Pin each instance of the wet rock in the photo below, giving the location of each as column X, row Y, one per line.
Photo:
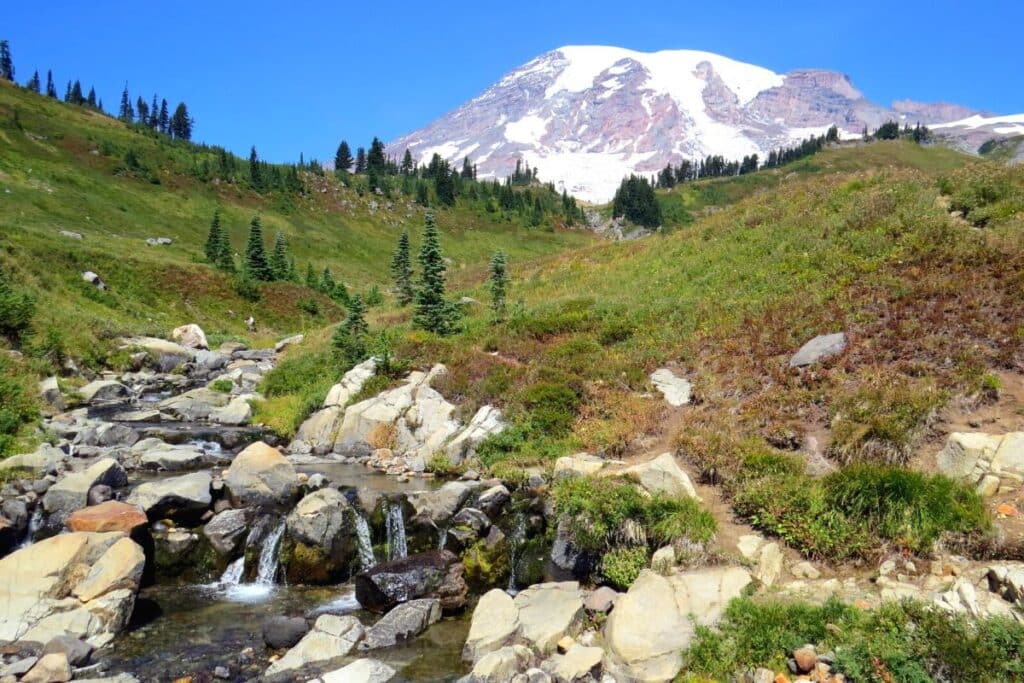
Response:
column 98, row 494
column 260, row 476
column 280, row 633
column 226, row 530
column 51, row 668
column 108, row 516
column 359, row 671
column 818, row 349
column 18, row 667
column 103, row 390
column 662, row 475
column 493, row 500
column 76, row 651
column 71, row 493
column 402, row 624
column 331, row 638
column 436, row 508
column 16, row 512
column 97, row 575
column 194, row 405
column 183, row 497
column 676, row 390
column 162, row 355
column 190, row 336
column 325, row 520
column 435, row 574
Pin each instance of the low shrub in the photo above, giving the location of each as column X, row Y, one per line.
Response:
column 621, row 566
column 551, row 407
column 18, row 406
column 223, row 386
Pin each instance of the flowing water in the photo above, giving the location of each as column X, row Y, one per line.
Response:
column 266, row 570
column 35, row 522
column 366, row 556
column 395, row 525
column 515, row 540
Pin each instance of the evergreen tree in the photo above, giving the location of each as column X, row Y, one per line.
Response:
column 181, row 123
column 214, row 239
column 401, row 271
column 467, row 169
column 6, row 63
column 343, row 158
column 76, row 94
column 361, row 160
column 256, row 265
column 225, row 254
column 67, row 92
column 164, row 120
column 293, row 271
column 142, row 109
column 499, row 285
column 125, row 112
column 91, row 99
column 444, row 186
column 33, row 83
column 407, row 163
column 311, row 281
column 16, row 310
column 154, row 114
column 255, row 176
column 350, row 337
column 433, row 312
column 51, row 89
column 635, row 199
column 279, row 258
column 376, row 162
column 422, row 194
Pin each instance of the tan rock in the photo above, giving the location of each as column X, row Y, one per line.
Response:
column 51, row 668
column 109, row 516
column 495, row 621
column 120, row 567
column 260, row 475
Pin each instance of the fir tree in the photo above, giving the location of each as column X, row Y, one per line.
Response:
column 293, row 271
column 343, row 158
column 401, row 271
column 51, row 89
column 164, row 120
column 376, row 162
column 255, row 176
column 422, row 194
column 142, row 109
column 181, row 123
column 225, row 254
column 91, row 99
column 6, row 63
column 154, row 114
column 279, row 258
column 433, row 312
column 327, row 285
column 407, row 163
column 76, row 94
column 350, row 337
column 256, row 265
column 16, row 310
column 311, row 281
column 214, row 239
column 125, row 112
column 67, row 92
column 498, row 285
column 361, row 160
column 33, row 83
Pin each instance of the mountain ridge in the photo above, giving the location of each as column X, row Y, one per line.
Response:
column 587, row 115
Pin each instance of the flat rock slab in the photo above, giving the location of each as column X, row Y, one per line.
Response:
column 818, row 349
column 676, row 390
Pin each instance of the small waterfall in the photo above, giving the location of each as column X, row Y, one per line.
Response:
column 232, row 576
column 267, row 568
column 442, row 538
column 366, row 556
column 35, row 522
column 515, row 539
column 397, row 548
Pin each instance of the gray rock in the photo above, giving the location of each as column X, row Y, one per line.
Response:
column 493, row 500
column 324, row 519
column 94, row 280
column 332, row 637
column 359, row 671
column 280, row 633
column 71, row 493
column 103, row 390
column 402, row 624
column 77, row 651
column 437, row 507
column 818, row 349
column 226, row 530
column 185, row 495
column 260, row 476
column 50, row 392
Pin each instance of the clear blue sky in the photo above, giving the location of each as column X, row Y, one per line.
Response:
column 297, row 76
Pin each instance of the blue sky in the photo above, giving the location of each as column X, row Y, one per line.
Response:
column 299, row 76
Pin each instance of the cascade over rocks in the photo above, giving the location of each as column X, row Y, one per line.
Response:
column 434, row 574
column 326, row 521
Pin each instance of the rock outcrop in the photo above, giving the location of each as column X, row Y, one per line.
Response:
column 434, row 574
column 993, row 463
column 818, row 349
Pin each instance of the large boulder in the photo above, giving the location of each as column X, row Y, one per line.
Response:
column 103, row 390
column 578, row 465
column 549, row 611
column 437, row 507
column 106, row 517
column 359, row 671
column 260, row 476
column 79, row 584
column 165, row 356
column 190, row 336
column 226, row 530
column 653, row 623
column 51, row 394
column 325, row 520
column 320, row 430
column 184, row 497
column 485, row 423
column 236, row 413
column 280, row 633
column 155, row 454
column 502, row 665
column 332, row 637
column 662, row 475
column 197, row 404
column 45, row 458
column 434, row 574
column 402, row 624
column 495, row 621
column 72, row 492
column 818, row 349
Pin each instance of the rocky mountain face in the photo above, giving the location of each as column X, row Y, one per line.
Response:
column 588, row 115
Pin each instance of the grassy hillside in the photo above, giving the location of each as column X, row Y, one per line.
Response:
column 66, row 168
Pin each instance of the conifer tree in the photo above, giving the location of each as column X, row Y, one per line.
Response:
column 327, row 284
column 142, row 109
column 361, row 160
column 498, row 285
column 376, row 163
column 181, row 123
column 214, row 239
column 33, row 83
column 293, row 271
column 6, row 63
column 422, row 193
column 125, row 112
column 51, row 89
column 279, row 258
column 164, row 120
column 76, row 94
column 350, row 337
column 343, row 158
column 401, row 271
column 67, row 92
column 91, row 99
column 256, row 264
column 407, row 163
column 311, row 280
column 433, row 312
column 255, row 176
column 225, row 254
column 154, row 114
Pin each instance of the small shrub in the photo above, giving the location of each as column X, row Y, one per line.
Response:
column 18, row 406
column 552, row 407
column 310, row 306
column 223, row 386
column 621, row 566
column 247, row 287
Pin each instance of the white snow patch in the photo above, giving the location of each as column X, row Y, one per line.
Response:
column 1008, row 130
column 527, row 130
column 977, row 121
column 446, row 151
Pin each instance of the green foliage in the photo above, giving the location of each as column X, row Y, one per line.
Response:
column 635, row 200
column 350, row 337
column 223, row 386
column 16, row 310
column 18, row 407
column 621, row 566
column 280, row 265
column 247, row 286
column 256, row 264
column 214, row 239
column 295, row 388
column 433, row 311
column 486, row 566
column 498, row 282
column 310, row 306
column 551, row 407
column 401, row 271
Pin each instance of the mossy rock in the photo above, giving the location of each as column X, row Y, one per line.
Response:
column 486, row 566
column 200, row 564
column 531, row 561
column 304, row 564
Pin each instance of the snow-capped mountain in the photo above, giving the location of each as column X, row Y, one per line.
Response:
column 585, row 116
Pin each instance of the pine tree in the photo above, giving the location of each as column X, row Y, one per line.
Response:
column 181, row 123
column 6, row 63
column 125, row 112
column 376, row 162
column 225, row 254
column 76, row 94
column 154, row 114
column 343, row 158
column 311, row 281
column 407, row 163
column 33, row 83
column 433, row 312
column 401, row 271
column 255, row 176
column 499, row 285
column 142, row 109
column 361, row 160
column 293, row 271
column 91, row 99
column 67, row 92
column 350, row 337
column 51, row 89
column 214, row 239
column 279, row 258
column 256, row 265
column 327, row 285
column 422, row 194
column 164, row 120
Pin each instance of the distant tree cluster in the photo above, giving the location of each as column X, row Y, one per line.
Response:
column 635, row 200
column 890, row 130
column 257, row 265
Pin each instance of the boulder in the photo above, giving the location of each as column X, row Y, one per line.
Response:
column 165, row 356
column 662, row 475
column 226, row 530
column 434, row 574
column 194, row 405
column 190, row 336
column 102, row 390
column 818, row 349
column 236, row 413
column 601, row 600
column 280, row 633
column 486, row 422
column 973, row 455
column 360, row 671
column 80, row 584
column 402, row 624
column 51, row 668
column 548, row 611
column 577, row 665
column 186, row 496
column 651, row 624
column 76, row 651
column 324, row 519
column 320, row 430
column 502, row 664
column 288, row 341
column 94, row 280
column 51, row 394
column 109, row 516
column 676, row 390
column 72, row 492
column 769, row 564
column 158, row 455
column 260, row 476
column 437, row 507
column 580, row 464
column 493, row 500
column 351, row 384
column 494, row 623
column 332, row 637
column 45, row 458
